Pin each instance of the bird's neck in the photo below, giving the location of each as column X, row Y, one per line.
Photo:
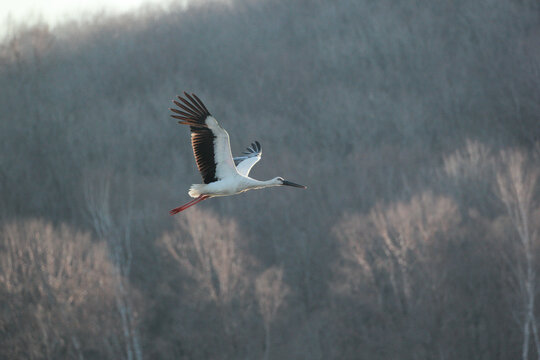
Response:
column 258, row 184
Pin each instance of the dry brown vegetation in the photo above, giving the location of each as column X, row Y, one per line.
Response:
column 415, row 126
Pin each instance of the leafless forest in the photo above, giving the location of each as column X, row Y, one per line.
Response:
column 415, row 125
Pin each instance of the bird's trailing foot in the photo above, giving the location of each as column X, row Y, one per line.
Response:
column 191, row 203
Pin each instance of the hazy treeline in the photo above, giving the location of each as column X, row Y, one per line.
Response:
column 414, row 124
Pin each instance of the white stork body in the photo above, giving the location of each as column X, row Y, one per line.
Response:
column 230, row 186
column 222, row 174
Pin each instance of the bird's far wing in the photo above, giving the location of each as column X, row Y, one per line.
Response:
column 252, row 156
column 210, row 141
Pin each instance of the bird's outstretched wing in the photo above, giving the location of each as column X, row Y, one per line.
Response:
column 210, row 141
column 252, row 156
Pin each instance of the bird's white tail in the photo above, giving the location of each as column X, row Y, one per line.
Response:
column 195, row 190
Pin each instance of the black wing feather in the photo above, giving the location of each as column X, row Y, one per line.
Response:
column 194, row 114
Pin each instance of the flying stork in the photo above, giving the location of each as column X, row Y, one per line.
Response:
column 222, row 174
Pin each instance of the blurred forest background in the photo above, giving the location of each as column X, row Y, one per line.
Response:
column 415, row 125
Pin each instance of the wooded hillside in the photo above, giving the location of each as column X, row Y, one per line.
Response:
column 415, row 126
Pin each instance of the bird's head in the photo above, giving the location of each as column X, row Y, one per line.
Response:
column 282, row 181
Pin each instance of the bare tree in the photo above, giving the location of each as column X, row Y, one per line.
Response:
column 389, row 263
column 406, row 231
column 60, row 282
column 270, row 291
column 209, row 254
column 208, row 250
column 516, row 186
column 116, row 231
column 473, row 161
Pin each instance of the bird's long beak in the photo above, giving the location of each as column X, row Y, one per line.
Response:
column 288, row 183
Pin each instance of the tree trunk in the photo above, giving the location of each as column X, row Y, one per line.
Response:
column 266, row 341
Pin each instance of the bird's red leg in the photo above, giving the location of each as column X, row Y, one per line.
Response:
column 191, row 203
